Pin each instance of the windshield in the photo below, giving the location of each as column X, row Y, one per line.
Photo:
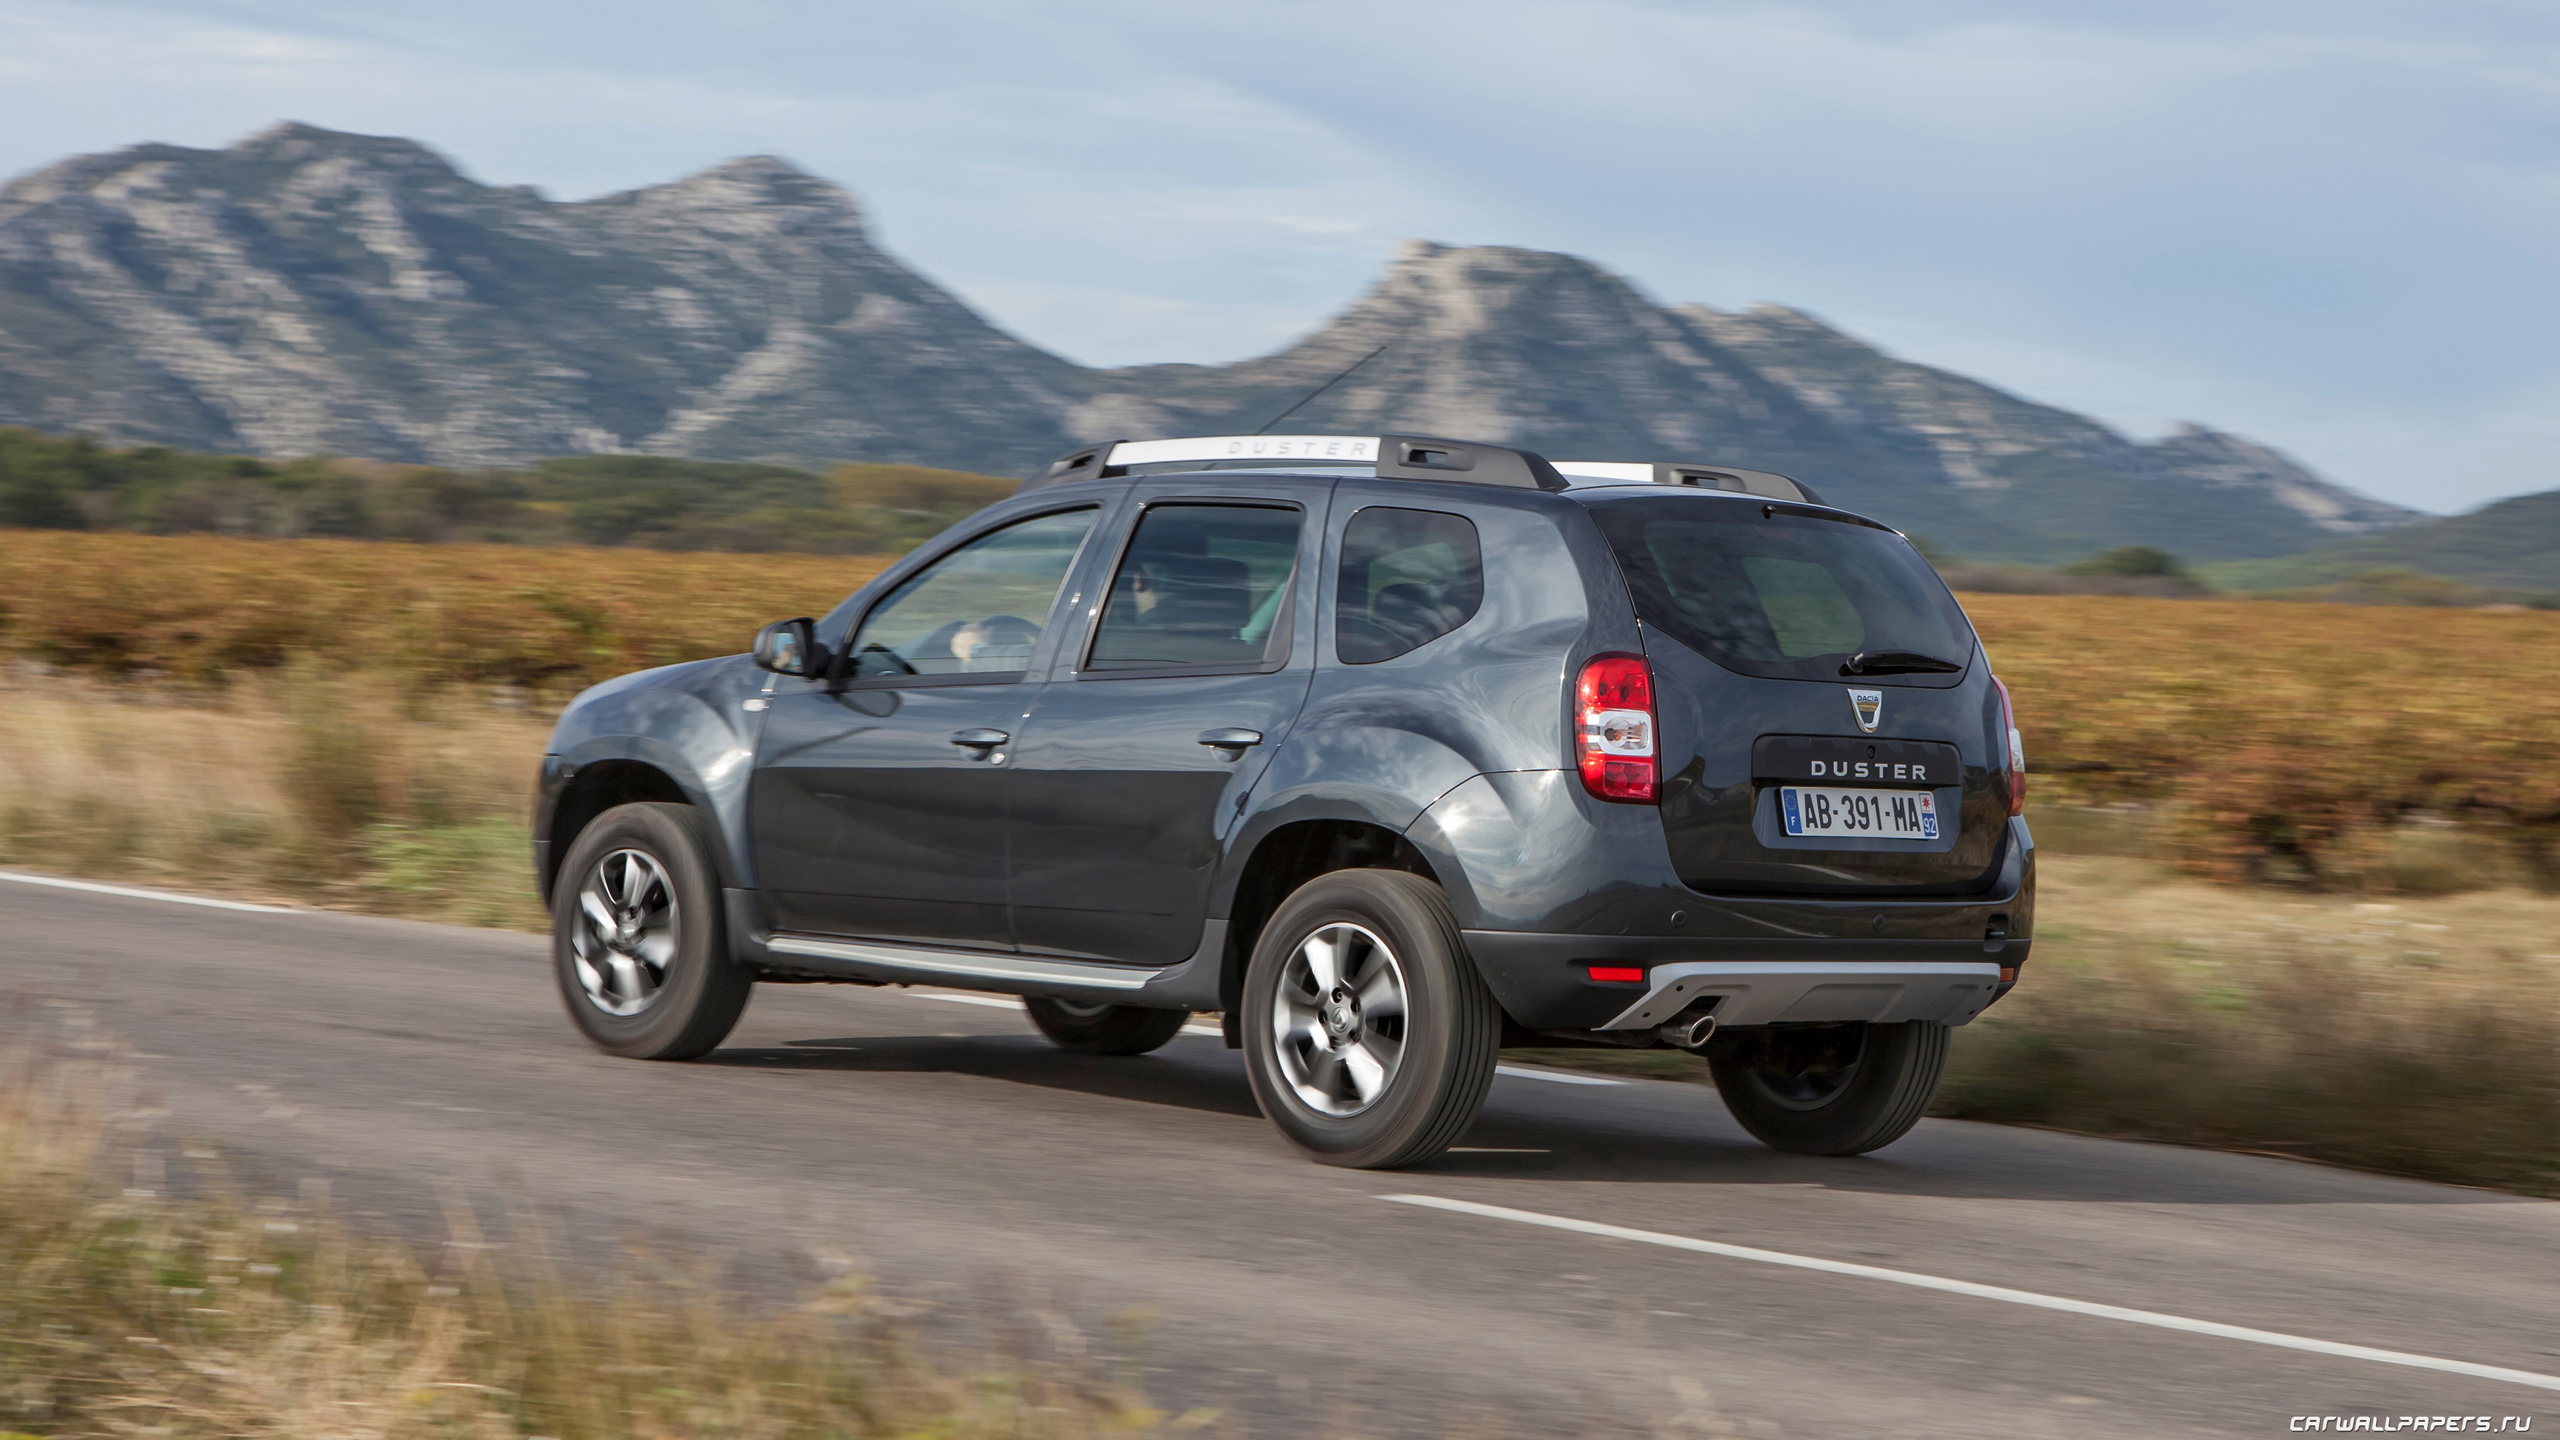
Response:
column 1766, row 590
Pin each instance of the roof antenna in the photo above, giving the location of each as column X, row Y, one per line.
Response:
column 1319, row 390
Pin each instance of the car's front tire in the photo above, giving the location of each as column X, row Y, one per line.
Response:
column 1369, row 1037
column 1091, row 1028
column 638, row 942
column 1830, row 1089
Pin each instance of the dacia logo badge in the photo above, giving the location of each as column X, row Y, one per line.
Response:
column 1870, row 707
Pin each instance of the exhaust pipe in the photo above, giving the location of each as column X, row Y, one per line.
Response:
column 1689, row 1032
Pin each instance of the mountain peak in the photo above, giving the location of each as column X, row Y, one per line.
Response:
column 746, row 185
column 293, row 142
column 1457, row 289
column 1489, row 262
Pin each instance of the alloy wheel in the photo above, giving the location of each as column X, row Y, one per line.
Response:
column 625, row 936
column 1339, row 1019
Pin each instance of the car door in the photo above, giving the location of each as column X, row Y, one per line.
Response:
column 880, row 796
column 1154, row 728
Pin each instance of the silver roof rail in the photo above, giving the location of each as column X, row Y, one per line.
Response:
column 1395, row 457
column 1767, row 484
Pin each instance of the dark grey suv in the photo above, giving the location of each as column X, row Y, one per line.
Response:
column 1395, row 751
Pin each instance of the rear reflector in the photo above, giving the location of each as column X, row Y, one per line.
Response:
column 1624, row 974
column 1613, row 701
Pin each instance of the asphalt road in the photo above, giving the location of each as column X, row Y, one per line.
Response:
column 948, row 1148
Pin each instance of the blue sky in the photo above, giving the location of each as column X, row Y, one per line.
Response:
column 2334, row 227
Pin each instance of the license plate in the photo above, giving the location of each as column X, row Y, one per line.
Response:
column 1863, row 814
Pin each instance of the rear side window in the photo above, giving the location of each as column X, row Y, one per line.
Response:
column 1408, row 578
column 1766, row 591
column 1202, row 585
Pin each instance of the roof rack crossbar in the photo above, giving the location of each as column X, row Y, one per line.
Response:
column 1395, row 457
column 1768, row 484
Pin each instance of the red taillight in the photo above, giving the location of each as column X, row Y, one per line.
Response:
column 2017, row 750
column 1618, row 974
column 1613, row 702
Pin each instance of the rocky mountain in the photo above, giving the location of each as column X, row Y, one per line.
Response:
column 1551, row 352
column 308, row 291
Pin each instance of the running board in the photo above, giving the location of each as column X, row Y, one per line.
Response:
column 967, row 969
column 1816, row 991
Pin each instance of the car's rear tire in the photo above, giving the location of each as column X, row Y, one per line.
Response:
column 1090, row 1028
column 1830, row 1089
column 1369, row 1037
column 638, row 941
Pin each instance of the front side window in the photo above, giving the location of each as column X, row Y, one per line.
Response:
column 976, row 611
column 1408, row 578
column 1201, row 586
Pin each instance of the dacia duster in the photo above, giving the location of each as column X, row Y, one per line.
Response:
column 1394, row 751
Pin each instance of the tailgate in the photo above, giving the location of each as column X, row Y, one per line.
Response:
column 1826, row 721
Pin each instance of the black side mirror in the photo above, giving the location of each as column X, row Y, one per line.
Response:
column 789, row 647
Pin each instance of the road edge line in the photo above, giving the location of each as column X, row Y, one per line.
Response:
column 128, row 892
column 1518, row 1072
column 2152, row 1318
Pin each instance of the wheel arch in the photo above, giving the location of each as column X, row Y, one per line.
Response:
column 1288, row 856
column 599, row 785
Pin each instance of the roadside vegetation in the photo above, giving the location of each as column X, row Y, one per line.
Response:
column 346, row 790
column 2329, row 747
column 2333, row 747
column 647, row 501
column 2144, row 570
column 181, row 1304
column 2224, row 791
column 196, row 611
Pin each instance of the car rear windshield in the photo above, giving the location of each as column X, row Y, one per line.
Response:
column 1769, row 590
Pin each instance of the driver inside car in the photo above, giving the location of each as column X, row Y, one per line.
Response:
column 998, row 642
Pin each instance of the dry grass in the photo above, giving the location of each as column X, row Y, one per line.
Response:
column 207, row 608
column 131, row 1312
column 344, row 790
column 2418, row 1036
column 2302, row 744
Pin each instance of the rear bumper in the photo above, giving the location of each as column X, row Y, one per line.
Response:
column 1883, row 991
column 1544, row 981
column 1779, row 960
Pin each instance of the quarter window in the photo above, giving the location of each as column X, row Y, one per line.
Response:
column 976, row 611
column 1408, row 578
column 1202, row 585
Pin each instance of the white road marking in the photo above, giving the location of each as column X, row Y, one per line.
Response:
column 2001, row 1293
column 1006, row 1002
column 1517, row 1073
column 128, row 892
column 1002, row 1002
column 999, row 1002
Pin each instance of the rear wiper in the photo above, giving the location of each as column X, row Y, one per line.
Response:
column 1898, row 662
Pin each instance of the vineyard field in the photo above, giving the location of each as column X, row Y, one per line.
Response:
column 2246, row 740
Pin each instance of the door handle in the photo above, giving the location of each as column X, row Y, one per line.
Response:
column 979, row 739
column 1237, row 740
